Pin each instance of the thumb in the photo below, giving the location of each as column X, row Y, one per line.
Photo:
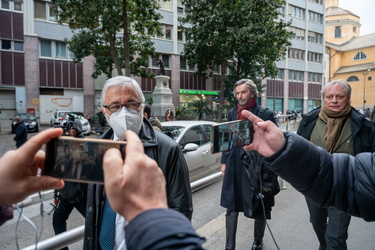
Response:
column 37, row 183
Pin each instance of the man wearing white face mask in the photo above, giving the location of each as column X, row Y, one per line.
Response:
column 122, row 100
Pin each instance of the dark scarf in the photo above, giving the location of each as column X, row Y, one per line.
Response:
column 334, row 122
column 249, row 106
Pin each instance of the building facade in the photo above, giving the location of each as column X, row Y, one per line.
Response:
column 38, row 73
column 351, row 56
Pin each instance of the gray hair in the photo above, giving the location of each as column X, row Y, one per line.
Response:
column 122, row 81
column 346, row 85
column 250, row 84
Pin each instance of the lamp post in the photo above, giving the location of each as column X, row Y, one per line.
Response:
column 364, row 88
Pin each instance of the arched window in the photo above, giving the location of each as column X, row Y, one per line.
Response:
column 352, row 79
column 360, row 56
column 337, row 32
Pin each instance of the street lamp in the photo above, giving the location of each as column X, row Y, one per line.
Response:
column 364, row 89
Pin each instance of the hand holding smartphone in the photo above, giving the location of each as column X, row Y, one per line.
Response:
column 78, row 159
column 229, row 135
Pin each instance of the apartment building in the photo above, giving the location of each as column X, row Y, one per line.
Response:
column 37, row 72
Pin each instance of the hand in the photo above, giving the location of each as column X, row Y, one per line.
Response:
column 18, row 169
column 223, row 166
column 135, row 185
column 268, row 138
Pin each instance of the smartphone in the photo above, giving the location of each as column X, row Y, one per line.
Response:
column 78, row 159
column 229, row 135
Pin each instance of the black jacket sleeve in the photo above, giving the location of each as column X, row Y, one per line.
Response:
column 339, row 180
column 161, row 229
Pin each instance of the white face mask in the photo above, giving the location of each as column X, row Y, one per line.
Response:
column 123, row 120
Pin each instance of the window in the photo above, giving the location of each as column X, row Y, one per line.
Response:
column 295, row 104
column 55, row 49
column 352, row 79
column 40, row 10
column 180, row 34
column 296, row 54
column 45, row 11
column 18, row 46
column 18, row 6
column 296, row 75
column 183, row 63
column 360, row 56
column 11, row 45
column 180, row 7
column 45, row 48
column 168, row 32
column 315, row 17
column 61, row 49
column 315, row 78
column 6, row 44
column 314, row 57
column 158, row 57
column 208, row 129
column 11, row 5
column 312, row 104
column 52, row 13
column 317, row 1
column 315, row 37
column 5, row 4
column 193, row 135
column 354, row 29
column 166, row 5
column 296, row 12
column 165, row 59
column 337, row 32
column 280, row 74
column 298, row 33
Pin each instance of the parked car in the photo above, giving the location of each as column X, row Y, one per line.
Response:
column 194, row 139
column 30, row 121
column 60, row 117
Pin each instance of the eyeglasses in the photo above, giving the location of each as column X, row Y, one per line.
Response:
column 131, row 106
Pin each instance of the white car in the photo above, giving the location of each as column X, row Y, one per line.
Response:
column 194, row 139
column 58, row 119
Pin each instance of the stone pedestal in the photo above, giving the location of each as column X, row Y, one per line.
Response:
column 162, row 98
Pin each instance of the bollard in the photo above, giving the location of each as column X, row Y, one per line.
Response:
column 281, row 181
column 281, row 184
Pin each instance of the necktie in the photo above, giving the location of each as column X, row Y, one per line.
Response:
column 107, row 229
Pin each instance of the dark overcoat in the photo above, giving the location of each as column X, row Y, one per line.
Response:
column 232, row 194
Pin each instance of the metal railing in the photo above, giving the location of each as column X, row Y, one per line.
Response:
column 72, row 236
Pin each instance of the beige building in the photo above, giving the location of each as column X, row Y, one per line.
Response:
column 351, row 56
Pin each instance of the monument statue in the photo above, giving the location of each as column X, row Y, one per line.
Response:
column 161, row 64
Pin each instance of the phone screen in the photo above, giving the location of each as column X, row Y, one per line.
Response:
column 229, row 135
column 78, row 159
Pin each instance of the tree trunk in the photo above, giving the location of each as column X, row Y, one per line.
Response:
column 112, row 50
column 222, row 88
column 126, row 38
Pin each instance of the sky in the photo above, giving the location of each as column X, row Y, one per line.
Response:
column 365, row 10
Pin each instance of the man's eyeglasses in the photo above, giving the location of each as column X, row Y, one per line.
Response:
column 131, row 106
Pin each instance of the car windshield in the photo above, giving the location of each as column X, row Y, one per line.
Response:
column 27, row 117
column 173, row 131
